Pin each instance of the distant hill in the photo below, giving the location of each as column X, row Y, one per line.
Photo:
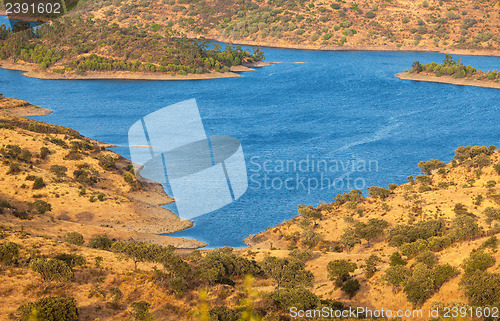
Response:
column 332, row 24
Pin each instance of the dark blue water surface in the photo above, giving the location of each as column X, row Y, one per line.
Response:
column 337, row 108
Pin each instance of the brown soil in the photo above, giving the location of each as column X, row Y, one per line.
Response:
column 448, row 80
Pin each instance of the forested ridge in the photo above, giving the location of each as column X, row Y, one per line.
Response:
column 79, row 45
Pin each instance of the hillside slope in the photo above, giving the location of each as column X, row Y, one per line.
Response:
column 459, row 203
column 57, row 181
column 465, row 26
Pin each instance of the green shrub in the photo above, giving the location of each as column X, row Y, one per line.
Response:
column 443, row 273
column 107, row 161
column 340, row 269
column 420, row 285
column 52, row 270
column 9, row 251
column 102, row 242
column 351, row 287
column 58, row 170
column 44, row 152
column 301, row 299
column 478, row 261
column 428, row 258
column 71, row 260
column 51, row 308
column 370, row 14
column 74, row 238
column 379, row 192
column 14, row 168
column 397, row 276
column 224, row 313
column 396, row 259
column 140, row 311
column 84, row 177
column 287, row 272
column 40, row 206
column 491, row 243
column 128, row 177
column 38, row 183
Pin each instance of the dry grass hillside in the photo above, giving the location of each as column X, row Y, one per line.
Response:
column 459, row 189
column 57, row 181
column 72, row 247
column 461, row 26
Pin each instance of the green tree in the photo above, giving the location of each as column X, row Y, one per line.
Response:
column 349, row 238
column 340, row 269
column 481, row 288
column 287, row 272
column 52, row 270
column 397, row 276
column 379, row 192
column 478, row 261
column 429, row 166
column 309, row 212
column 220, row 264
column 51, row 308
column 420, row 285
column 465, row 227
column 138, row 251
column 371, row 230
column 428, row 258
column 371, row 265
column 443, row 273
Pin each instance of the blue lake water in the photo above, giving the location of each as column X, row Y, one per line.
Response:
column 335, row 108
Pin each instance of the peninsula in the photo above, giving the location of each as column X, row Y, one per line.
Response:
column 96, row 49
column 452, row 72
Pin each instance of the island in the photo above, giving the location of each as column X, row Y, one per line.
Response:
column 452, row 72
column 96, row 49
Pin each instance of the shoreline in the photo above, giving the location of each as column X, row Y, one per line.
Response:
column 453, row 51
column 31, row 71
column 448, row 80
column 137, row 214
